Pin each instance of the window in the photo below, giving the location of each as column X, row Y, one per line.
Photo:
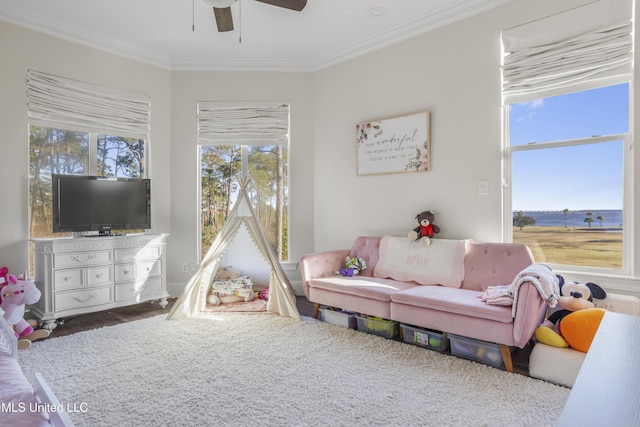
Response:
column 83, row 129
column 567, row 186
column 240, row 141
column 268, row 189
column 61, row 151
column 566, row 96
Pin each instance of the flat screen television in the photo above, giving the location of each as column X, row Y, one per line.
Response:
column 93, row 203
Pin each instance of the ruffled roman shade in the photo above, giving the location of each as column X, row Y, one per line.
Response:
column 568, row 51
column 255, row 123
column 59, row 102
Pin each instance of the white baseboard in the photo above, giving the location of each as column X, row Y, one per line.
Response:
column 175, row 289
column 298, row 289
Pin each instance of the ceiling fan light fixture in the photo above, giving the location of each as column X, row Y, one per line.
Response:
column 220, row 3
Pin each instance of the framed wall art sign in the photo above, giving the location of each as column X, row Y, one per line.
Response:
column 394, row 145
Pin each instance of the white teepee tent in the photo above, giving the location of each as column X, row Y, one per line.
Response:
column 281, row 296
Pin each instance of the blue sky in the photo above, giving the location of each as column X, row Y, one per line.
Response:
column 580, row 177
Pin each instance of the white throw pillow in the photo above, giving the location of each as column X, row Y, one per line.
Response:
column 441, row 263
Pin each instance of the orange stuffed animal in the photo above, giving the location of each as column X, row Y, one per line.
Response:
column 578, row 321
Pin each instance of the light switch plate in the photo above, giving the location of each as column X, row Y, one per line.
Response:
column 483, row 188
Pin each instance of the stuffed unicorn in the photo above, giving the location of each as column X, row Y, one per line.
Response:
column 15, row 292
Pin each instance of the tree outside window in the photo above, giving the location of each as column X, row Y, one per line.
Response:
column 63, row 151
column 221, row 171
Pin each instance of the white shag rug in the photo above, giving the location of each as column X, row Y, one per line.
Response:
column 267, row 370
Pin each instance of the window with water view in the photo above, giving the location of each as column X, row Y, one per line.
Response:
column 567, row 176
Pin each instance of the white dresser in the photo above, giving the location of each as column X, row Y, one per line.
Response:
column 87, row 274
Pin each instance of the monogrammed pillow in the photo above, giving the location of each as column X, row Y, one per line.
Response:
column 441, row 263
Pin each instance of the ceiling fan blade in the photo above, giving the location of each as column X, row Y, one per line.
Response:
column 297, row 5
column 224, row 21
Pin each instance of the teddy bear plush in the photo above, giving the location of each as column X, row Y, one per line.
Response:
column 426, row 229
column 577, row 322
column 352, row 267
column 15, row 293
column 227, row 273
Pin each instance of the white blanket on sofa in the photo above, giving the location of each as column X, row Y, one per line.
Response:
column 441, row 263
column 543, row 278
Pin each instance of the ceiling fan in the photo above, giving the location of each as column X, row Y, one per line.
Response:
column 222, row 10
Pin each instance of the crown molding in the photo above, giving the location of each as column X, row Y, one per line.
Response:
column 92, row 40
column 236, row 64
column 422, row 24
column 453, row 12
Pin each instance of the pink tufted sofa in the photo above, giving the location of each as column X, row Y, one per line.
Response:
column 449, row 309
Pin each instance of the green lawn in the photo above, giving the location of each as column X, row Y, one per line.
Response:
column 595, row 247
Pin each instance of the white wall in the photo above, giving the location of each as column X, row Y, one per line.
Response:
column 454, row 72
column 21, row 50
column 421, row 74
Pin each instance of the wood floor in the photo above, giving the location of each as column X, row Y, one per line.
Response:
column 148, row 309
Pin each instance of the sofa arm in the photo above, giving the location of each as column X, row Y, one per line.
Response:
column 321, row 264
column 530, row 310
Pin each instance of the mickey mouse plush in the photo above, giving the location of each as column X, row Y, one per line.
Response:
column 426, row 229
column 578, row 320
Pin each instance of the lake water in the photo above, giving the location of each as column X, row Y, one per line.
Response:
column 612, row 218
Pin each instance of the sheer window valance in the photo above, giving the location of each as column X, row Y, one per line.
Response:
column 60, row 102
column 257, row 123
column 568, row 51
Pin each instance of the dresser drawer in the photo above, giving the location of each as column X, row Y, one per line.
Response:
column 149, row 268
column 135, row 254
column 97, row 276
column 81, row 259
column 79, row 299
column 130, row 291
column 71, row 278
column 137, row 271
column 74, row 278
column 125, row 272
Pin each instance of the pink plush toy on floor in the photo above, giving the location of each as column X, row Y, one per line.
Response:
column 14, row 294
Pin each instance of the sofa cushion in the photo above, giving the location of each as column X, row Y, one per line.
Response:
column 370, row 287
column 460, row 301
column 494, row 264
column 367, row 248
column 440, row 263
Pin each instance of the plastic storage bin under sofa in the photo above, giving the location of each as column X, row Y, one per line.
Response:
column 426, row 338
column 477, row 350
column 376, row 326
column 338, row 317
